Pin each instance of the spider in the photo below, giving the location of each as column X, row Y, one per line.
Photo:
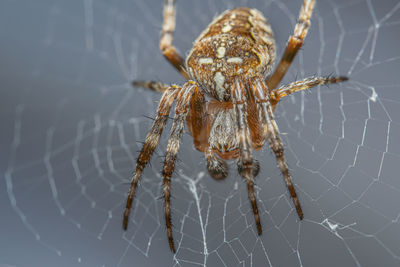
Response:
column 228, row 100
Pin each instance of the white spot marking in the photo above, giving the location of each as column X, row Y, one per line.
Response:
column 226, row 28
column 191, row 72
column 235, row 60
column 206, row 60
column 254, row 12
column 219, row 80
column 221, row 52
column 374, row 95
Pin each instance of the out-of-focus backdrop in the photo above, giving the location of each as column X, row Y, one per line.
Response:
column 71, row 126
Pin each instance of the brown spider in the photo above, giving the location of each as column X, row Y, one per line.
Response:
column 231, row 62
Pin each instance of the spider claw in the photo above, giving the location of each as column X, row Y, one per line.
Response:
column 299, row 212
column 259, row 229
column 125, row 222
column 342, row 78
column 171, row 245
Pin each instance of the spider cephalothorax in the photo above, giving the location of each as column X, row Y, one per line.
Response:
column 231, row 62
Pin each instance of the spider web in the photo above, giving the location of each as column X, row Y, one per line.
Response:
column 72, row 126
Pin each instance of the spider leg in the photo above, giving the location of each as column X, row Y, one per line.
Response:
column 217, row 167
column 261, row 92
column 198, row 127
column 167, row 36
column 248, row 167
column 150, row 144
column 181, row 111
column 304, row 84
column 152, row 85
column 293, row 45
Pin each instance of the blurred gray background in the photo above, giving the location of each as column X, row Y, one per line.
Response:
column 71, row 126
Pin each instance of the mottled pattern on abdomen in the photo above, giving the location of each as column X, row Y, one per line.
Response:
column 238, row 43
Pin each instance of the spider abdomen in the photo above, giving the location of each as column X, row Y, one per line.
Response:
column 238, row 43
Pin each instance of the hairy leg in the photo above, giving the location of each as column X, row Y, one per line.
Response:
column 152, row 85
column 304, row 84
column 261, row 92
column 167, row 36
column 293, row 45
column 150, row 144
column 248, row 167
column 181, row 111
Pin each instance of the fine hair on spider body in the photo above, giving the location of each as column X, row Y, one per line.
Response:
column 232, row 63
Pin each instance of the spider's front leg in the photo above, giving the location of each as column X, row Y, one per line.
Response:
column 151, row 142
column 261, row 93
column 168, row 50
column 181, row 111
column 248, row 167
